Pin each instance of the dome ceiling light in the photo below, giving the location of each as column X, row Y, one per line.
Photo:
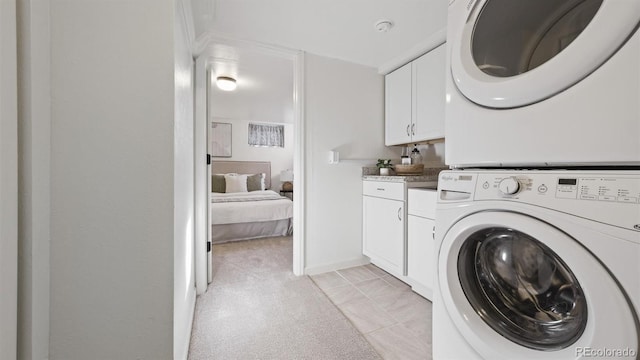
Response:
column 226, row 83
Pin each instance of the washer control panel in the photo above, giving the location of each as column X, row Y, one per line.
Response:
column 600, row 188
column 595, row 188
column 611, row 197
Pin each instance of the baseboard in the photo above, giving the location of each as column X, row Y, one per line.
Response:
column 313, row 270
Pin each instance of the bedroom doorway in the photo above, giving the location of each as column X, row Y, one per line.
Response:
column 232, row 148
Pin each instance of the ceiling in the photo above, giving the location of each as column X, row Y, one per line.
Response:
column 340, row 29
column 265, row 85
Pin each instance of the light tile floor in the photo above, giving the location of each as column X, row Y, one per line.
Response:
column 257, row 309
column 394, row 319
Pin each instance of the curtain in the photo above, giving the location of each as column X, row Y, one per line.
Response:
column 266, row 135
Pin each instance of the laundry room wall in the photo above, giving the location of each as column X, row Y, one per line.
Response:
column 353, row 124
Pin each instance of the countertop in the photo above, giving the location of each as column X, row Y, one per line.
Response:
column 404, row 178
column 430, row 176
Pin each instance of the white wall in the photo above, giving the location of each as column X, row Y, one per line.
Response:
column 34, row 171
column 184, row 191
column 281, row 158
column 112, row 179
column 8, row 181
column 343, row 109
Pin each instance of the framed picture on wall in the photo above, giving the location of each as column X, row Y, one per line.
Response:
column 220, row 139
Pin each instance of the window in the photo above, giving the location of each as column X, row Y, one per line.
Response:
column 266, row 135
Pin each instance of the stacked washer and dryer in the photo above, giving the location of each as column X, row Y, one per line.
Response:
column 538, row 222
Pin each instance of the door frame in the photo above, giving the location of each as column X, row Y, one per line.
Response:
column 203, row 59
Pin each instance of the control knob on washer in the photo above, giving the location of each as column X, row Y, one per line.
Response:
column 509, row 186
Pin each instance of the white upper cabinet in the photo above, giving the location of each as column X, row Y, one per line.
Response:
column 397, row 90
column 429, row 95
column 415, row 100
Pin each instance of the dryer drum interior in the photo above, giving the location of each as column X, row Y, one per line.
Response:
column 522, row 289
column 513, row 37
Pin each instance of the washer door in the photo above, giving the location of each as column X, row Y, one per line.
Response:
column 512, row 53
column 517, row 287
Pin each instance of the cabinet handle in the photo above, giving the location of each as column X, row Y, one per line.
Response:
column 399, row 210
column 408, row 127
column 380, row 189
column 433, row 233
column 413, row 129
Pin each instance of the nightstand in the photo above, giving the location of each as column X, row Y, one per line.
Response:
column 285, row 192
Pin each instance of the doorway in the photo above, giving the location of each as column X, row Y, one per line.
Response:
column 208, row 66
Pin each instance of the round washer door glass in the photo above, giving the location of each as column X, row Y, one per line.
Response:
column 522, row 289
column 512, row 53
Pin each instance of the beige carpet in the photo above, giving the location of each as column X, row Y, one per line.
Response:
column 257, row 309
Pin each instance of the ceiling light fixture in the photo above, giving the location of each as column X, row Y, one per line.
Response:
column 383, row 25
column 226, row 83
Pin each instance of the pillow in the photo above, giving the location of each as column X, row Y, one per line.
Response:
column 255, row 182
column 235, row 183
column 218, row 184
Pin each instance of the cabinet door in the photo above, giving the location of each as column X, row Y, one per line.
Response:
column 429, row 95
column 421, row 254
column 397, row 87
column 383, row 233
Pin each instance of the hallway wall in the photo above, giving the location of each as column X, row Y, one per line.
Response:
column 8, row 180
column 112, row 179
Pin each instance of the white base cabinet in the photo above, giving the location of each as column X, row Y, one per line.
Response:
column 421, row 244
column 384, row 224
column 384, row 232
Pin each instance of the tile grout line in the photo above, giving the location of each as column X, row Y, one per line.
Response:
column 346, row 317
column 375, row 304
column 397, row 321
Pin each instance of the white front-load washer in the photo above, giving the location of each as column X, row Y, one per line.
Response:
column 543, row 83
column 537, row 265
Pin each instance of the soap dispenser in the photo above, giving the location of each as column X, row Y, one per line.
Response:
column 416, row 158
column 405, row 159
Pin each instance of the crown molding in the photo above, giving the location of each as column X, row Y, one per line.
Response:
column 186, row 11
column 438, row 38
column 204, row 45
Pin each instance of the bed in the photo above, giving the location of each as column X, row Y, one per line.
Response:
column 239, row 213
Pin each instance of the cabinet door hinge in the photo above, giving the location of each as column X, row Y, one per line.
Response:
column 208, row 246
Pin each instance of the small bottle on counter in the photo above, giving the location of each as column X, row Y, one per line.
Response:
column 416, row 157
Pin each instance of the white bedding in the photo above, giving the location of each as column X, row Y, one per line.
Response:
column 254, row 206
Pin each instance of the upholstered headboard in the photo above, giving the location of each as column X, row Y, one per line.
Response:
column 243, row 167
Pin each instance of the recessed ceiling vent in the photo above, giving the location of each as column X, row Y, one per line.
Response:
column 383, row 25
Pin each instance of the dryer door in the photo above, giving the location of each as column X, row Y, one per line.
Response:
column 512, row 53
column 517, row 287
